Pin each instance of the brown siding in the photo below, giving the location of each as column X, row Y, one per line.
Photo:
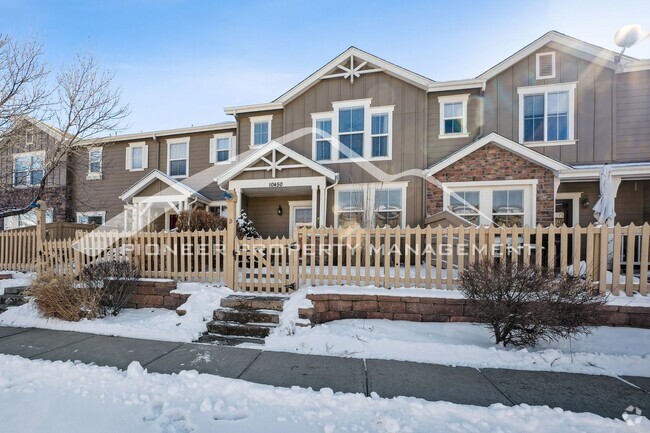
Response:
column 263, row 211
column 633, row 116
column 244, row 128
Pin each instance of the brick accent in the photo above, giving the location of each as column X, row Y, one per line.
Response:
column 492, row 163
column 157, row 294
column 414, row 309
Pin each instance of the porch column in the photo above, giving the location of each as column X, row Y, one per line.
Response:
column 323, row 206
column 238, row 208
column 314, row 204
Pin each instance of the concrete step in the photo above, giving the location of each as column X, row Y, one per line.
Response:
column 247, row 316
column 236, row 329
column 6, row 276
column 251, row 302
column 13, row 299
column 18, row 290
column 228, row 340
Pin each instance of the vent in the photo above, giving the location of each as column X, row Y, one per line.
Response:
column 545, row 65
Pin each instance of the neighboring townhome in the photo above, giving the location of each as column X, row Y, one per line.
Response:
column 363, row 142
column 23, row 154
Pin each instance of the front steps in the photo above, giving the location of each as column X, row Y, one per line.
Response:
column 244, row 319
column 13, row 296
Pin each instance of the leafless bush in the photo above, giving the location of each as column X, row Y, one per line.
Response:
column 199, row 219
column 57, row 296
column 115, row 281
column 526, row 304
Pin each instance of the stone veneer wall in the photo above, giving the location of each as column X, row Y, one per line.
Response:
column 328, row 307
column 492, row 163
column 156, row 294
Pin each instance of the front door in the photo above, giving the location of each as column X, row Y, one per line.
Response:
column 301, row 215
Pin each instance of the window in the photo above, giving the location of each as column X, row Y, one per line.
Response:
column 505, row 202
column 222, row 148
column 370, row 205
column 177, row 161
column 219, row 210
column 95, row 163
column 28, row 168
column 323, row 139
column 466, row 204
column 508, row 207
column 26, row 220
column 453, row 116
column 137, row 156
column 260, row 130
column 97, row 218
column 546, row 114
column 388, row 207
column 355, row 130
column 545, row 65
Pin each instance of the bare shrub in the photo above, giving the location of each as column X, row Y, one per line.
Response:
column 200, row 219
column 57, row 296
column 115, row 281
column 526, row 304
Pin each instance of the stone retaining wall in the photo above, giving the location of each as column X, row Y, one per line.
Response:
column 328, row 307
column 156, row 294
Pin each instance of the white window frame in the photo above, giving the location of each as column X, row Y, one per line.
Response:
column 538, row 76
column 40, row 153
column 260, row 119
column 218, row 203
column 315, row 117
column 82, row 215
column 95, row 175
column 182, row 140
column 232, row 148
column 545, row 90
column 369, row 190
column 453, row 99
column 301, row 204
column 369, row 110
column 145, row 156
column 485, row 190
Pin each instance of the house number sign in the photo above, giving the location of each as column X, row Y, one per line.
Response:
column 275, row 184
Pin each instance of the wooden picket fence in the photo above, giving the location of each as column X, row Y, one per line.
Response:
column 614, row 258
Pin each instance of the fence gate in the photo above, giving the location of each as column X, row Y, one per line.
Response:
column 266, row 265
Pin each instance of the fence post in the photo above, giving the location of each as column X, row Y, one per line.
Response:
column 229, row 265
column 41, row 222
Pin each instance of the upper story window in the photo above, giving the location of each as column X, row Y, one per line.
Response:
column 222, row 148
column 29, row 136
column 178, row 164
column 545, row 65
column 261, row 130
column 97, row 218
column 371, row 205
column 95, row 163
column 28, row 168
column 353, row 131
column 546, row 114
column 137, row 156
column 453, row 116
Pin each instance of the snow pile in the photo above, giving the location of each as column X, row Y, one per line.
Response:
column 148, row 323
column 19, row 279
column 68, row 397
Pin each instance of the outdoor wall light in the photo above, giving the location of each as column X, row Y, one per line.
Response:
column 585, row 201
column 279, row 210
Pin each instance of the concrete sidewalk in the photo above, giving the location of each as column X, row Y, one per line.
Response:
column 603, row 395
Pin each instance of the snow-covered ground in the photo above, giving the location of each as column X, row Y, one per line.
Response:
column 149, row 323
column 67, row 397
column 17, row 279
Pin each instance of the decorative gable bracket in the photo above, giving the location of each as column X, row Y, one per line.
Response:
column 351, row 71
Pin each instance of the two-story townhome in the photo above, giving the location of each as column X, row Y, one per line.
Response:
column 23, row 154
column 364, row 142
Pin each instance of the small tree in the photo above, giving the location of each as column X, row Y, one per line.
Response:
column 526, row 304
column 200, row 219
column 115, row 280
column 245, row 227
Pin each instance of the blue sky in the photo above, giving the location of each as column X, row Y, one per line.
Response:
column 179, row 63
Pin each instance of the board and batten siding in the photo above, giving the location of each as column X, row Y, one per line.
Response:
column 593, row 122
column 632, row 116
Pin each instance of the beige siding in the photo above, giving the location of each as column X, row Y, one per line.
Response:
column 244, row 128
column 633, row 116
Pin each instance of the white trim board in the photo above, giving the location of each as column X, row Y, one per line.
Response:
column 154, row 175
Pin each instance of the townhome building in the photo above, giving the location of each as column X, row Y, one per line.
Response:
column 363, row 142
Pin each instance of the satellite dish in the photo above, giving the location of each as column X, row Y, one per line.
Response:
column 629, row 35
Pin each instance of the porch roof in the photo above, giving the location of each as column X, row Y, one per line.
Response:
column 260, row 153
column 630, row 170
column 170, row 181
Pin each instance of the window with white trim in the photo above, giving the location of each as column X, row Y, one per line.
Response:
column 261, row 130
column 389, row 206
column 545, row 65
column 453, row 116
column 352, row 131
column 219, row 210
column 499, row 202
column 28, row 168
column 97, row 218
column 178, row 157
column 95, row 163
column 137, row 156
column 27, row 219
column 370, row 205
column 546, row 114
column 222, row 148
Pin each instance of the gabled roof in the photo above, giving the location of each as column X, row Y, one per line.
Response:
column 504, row 143
column 606, row 57
column 170, row 181
column 255, row 156
column 50, row 130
